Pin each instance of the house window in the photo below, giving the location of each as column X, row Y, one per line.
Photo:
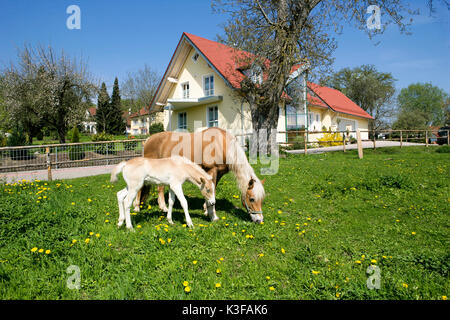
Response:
column 185, row 89
column 213, row 117
column 208, row 85
column 182, row 120
column 195, row 57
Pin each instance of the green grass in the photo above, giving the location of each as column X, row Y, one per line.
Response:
column 331, row 214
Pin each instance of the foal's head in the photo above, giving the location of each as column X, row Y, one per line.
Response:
column 252, row 200
column 207, row 189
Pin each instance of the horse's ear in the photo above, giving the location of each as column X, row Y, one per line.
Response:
column 251, row 183
column 263, row 180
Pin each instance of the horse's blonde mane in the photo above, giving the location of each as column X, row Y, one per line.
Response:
column 242, row 170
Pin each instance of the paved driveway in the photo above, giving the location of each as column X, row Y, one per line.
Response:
column 365, row 144
column 57, row 174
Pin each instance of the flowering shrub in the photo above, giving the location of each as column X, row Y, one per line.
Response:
column 331, row 139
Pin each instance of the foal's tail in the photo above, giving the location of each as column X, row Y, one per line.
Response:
column 117, row 169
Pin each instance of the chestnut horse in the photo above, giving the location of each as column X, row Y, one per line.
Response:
column 217, row 152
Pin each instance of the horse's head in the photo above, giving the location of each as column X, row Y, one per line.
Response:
column 207, row 189
column 252, row 200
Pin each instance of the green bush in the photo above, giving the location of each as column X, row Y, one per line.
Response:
column 18, row 138
column 104, row 148
column 155, row 128
column 76, row 152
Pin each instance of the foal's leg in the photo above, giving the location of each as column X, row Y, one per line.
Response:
column 178, row 190
column 171, row 202
column 128, row 201
column 161, row 200
column 120, row 197
column 136, row 202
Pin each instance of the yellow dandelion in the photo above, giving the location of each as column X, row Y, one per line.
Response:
column 97, row 235
column 87, row 240
column 444, row 297
column 187, row 289
column 279, row 211
column 41, row 250
column 218, row 285
column 338, row 294
column 106, row 221
column 283, row 251
column 218, row 271
column 404, row 285
column 138, row 226
column 47, row 251
column 267, row 277
column 91, row 233
column 169, row 240
column 373, row 261
column 73, row 203
column 413, row 233
column 194, row 262
column 34, row 249
column 74, row 241
column 315, row 272
column 185, row 283
column 261, row 255
column 89, row 200
column 271, row 288
column 358, row 261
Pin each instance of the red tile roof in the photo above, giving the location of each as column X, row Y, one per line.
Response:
column 338, row 101
column 229, row 62
column 141, row 112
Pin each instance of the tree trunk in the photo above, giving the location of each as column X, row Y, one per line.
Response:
column 61, row 134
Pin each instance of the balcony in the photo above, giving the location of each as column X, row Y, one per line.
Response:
column 182, row 103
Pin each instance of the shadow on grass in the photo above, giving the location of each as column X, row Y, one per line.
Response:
column 194, row 203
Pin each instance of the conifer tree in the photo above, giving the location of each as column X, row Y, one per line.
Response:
column 116, row 123
column 103, row 109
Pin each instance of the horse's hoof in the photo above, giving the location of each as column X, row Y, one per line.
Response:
column 214, row 219
column 137, row 209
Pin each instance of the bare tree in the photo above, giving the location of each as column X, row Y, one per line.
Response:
column 139, row 87
column 285, row 33
column 54, row 89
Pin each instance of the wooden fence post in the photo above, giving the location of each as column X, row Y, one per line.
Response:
column 374, row 141
column 305, row 141
column 426, row 138
column 343, row 140
column 49, row 164
column 401, row 139
column 358, row 138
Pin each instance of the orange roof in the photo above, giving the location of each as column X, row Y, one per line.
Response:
column 141, row 112
column 92, row 111
column 229, row 62
column 338, row 101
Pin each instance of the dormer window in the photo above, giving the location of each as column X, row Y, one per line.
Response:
column 195, row 57
column 255, row 74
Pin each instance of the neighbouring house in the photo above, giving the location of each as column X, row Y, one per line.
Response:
column 140, row 121
column 198, row 90
column 89, row 124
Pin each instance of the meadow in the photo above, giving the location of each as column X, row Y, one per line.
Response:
column 327, row 218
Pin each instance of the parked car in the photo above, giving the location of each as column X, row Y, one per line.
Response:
column 443, row 135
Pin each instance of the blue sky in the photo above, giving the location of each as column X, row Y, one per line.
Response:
column 121, row 36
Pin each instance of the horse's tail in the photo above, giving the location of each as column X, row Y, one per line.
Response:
column 117, row 169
